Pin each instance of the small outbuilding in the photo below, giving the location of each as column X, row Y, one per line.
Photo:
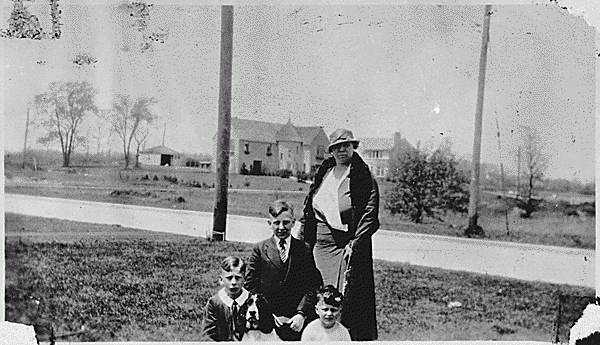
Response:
column 159, row 155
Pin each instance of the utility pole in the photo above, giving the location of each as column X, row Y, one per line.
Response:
column 224, row 125
column 502, row 175
column 473, row 228
column 164, row 133
column 26, row 131
column 519, row 173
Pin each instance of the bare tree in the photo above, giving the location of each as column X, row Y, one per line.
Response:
column 65, row 107
column 535, row 165
column 140, row 137
column 125, row 119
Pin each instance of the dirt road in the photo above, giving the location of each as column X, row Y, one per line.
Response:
column 522, row 261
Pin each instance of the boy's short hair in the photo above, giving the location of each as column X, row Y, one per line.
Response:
column 232, row 262
column 278, row 207
column 330, row 295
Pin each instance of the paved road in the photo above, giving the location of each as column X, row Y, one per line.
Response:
column 522, row 261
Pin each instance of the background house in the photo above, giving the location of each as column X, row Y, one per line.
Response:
column 378, row 152
column 160, row 155
column 262, row 147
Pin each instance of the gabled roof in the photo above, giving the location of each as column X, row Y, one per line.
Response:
column 375, row 143
column 253, row 130
column 309, row 133
column 262, row 131
column 288, row 132
column 160, row 150
column 404, row 145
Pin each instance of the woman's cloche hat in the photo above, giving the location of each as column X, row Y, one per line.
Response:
column 340, row 136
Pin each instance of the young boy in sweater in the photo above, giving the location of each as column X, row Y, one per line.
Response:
column 221, row 314
column 327, row 327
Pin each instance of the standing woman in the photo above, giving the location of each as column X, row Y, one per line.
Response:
column 341, row 213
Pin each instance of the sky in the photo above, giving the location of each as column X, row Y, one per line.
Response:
column 376, row 69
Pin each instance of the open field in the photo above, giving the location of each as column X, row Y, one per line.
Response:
column 548, row 227
column 131, row 285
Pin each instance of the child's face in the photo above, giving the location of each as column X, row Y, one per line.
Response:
column 282, row 225
column 328, row 313
column 232, row 282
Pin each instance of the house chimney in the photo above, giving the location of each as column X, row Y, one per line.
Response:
column 397, row 140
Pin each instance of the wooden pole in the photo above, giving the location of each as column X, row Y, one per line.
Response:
column 473, row 228
column 519, row 172
column 224, row 125
column 502, row 175
column 164, row 133
column 26, row 132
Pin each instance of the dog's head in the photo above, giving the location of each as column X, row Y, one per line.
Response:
column 256, row 314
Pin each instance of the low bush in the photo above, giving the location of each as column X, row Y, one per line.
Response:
column 302, row 177
column 144, row 194
column 172, row 179
column 284, row 173
column 244, row 170
column 191, row 162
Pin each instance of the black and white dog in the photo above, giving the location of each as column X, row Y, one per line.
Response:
column 256, row 320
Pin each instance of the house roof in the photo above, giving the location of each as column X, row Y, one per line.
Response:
column 262, row 131
column 375, row 143
column 404, row 145
column 309, row 133
column 253, row 130
column 288, row 132
column 160, row 150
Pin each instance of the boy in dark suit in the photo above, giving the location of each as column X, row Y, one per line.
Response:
column 221, row 314
column 283, row 270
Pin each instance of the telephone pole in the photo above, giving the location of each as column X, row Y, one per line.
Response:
column 224, row 125
column 473, row 228
column 26, row 132
column 519, row 173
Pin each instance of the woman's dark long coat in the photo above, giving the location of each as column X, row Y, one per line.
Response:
column 359, row 301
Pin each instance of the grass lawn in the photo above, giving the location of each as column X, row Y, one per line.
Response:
column 131, row 285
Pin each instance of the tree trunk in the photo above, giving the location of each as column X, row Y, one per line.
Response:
column 137, row 156
column 530, row 193
column 66, row 160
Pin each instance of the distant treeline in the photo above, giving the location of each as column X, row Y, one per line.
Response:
column 493, row 180
column 45, row 158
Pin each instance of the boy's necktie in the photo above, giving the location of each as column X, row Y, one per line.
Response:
column 282, row 250
column 236, row 320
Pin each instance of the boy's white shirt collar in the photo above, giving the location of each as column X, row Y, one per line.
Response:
column 229, row 301
column 288, row 242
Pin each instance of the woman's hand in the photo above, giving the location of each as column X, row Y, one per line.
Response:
column 281, row 320
column 347, row 252
column 297, row 322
